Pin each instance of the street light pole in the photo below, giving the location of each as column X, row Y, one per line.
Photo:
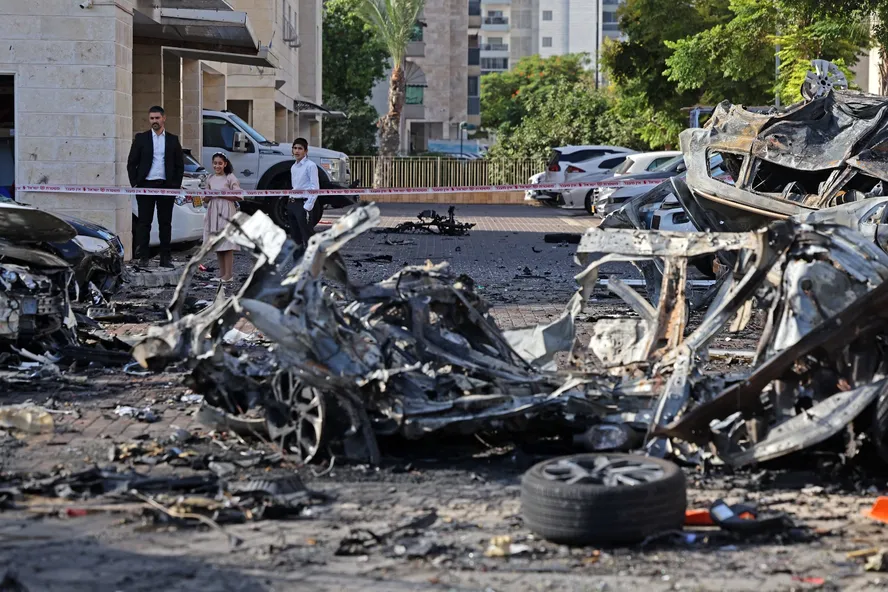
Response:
column 462, row 125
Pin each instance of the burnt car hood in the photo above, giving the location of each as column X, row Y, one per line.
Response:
column 10, row 252
column 20, row 223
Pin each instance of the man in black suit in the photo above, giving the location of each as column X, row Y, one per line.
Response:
column 155, row 160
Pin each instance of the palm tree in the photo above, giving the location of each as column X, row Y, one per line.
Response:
column 394, row 22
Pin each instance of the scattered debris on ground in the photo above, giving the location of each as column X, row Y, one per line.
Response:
column 431, row 222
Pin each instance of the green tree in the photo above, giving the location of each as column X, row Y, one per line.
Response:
column 505, row 96
column 561, row 114
column 735, row 60
column 636, row 65
column 393, row 22
column 356, row 133
column 354, row 60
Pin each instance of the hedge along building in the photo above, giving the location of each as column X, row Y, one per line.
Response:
column 77, row 78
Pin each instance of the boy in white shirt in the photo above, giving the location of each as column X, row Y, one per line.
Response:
column 303, row 175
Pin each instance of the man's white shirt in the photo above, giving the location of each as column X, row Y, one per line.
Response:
column 304, row 175
column 158, row 171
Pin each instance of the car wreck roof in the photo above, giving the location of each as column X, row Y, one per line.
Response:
column 816, row 135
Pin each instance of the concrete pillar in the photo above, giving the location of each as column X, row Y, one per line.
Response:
column 147, row 83
column 192, row 101
column 314, row 137
column 172, row 92
column 291, row 126
column 73, row 103
column 280, row 124
column 214, row 92
column 264, row 116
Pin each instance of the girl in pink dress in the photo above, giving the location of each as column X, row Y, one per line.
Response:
column 219, row 212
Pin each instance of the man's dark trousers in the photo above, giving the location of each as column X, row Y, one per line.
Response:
column 300, row 229
column 147, row 203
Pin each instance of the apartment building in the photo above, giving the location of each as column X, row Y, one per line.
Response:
column 513, row 29
column 442, row 73
column 79, row 76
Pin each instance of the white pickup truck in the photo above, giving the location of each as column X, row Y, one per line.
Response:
column 260, row 163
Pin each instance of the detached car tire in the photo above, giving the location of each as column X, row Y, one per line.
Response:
column 603, row 499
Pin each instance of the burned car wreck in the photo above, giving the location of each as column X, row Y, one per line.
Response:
column 411, row 355
column 418, row 353
column 822, row 152
column 34, row 300
column 49, row 265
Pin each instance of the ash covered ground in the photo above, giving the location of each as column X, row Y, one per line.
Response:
column 424, row 519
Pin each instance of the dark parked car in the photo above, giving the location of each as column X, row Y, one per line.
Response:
column 94, row 253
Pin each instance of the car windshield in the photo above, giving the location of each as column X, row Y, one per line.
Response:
column 670, row 164
column 259, row 138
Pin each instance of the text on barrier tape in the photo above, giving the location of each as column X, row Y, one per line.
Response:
column 344, row 191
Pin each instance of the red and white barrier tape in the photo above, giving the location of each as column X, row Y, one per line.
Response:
column 356, row 191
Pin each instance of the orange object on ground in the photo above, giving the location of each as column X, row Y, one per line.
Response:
column 698, row 518
column 879, row 511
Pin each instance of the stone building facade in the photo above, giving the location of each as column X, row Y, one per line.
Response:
column 81, row 81
column 437, row 75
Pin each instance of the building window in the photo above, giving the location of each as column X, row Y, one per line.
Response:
column 547, row 15
column 474, row 56
column 474, row 106
column 474, row 86
column 416, row 35
column 494, row 63
column 414, row 94
column 547, row 42
column 474, row 7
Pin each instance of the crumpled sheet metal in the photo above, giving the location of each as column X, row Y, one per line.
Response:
column 414, row 353
column 418, row 352
column 187, row 335
column 825, row 292
column 662, row 328
column 814, row 154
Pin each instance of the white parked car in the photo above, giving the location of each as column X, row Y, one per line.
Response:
column 566, row 162
column 188, row 213
column 645, row 162
column 573, row 164
column 635, row 164
column 611, row 199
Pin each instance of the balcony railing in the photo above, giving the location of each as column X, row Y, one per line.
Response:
column 494, row 47
column 496, row 20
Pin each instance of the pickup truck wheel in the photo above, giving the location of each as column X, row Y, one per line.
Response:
column 603, row 499
column 277, row 211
